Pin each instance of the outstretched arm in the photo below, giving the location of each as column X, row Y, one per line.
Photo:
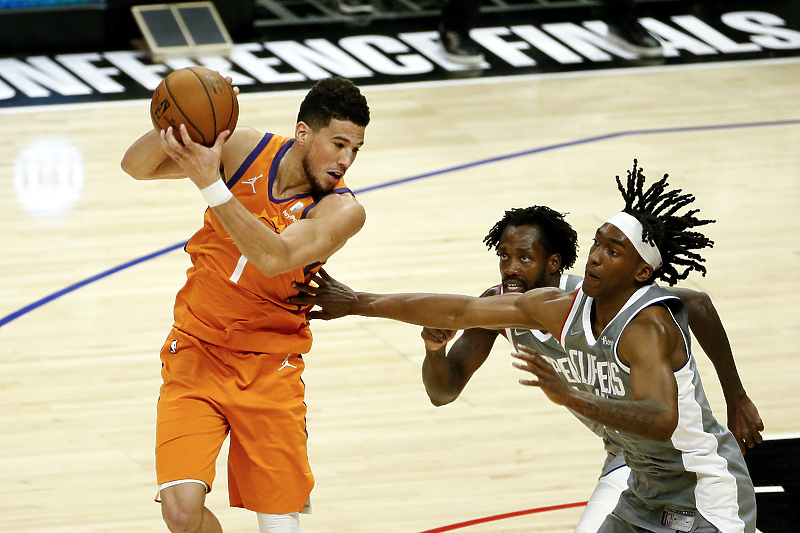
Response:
column 743, row 419
column 535, row 309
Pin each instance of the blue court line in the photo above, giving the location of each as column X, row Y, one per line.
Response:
column 548, row 148
column 578, row 142
column 75, row 286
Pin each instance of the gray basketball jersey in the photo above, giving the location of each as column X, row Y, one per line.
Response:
column 544, row 343
column 700, row 470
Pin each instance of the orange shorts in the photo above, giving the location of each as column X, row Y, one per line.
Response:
column 208, row 392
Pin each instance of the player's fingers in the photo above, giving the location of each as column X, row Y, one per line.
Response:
column 322, row 277
column 169, row 142
column 529, row 358
column 305, row 287
column 316, row 315
column 527, row 350
column 441, row 339
column 187, row 141
column 306, row 291
column 437, row 334
column 754, row 438
column 221, row 138
column 529, row 382
column 524, row 366
column 427, row 334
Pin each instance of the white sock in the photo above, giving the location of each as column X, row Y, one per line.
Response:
column 278, row 523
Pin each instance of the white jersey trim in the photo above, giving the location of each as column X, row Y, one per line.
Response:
column 716, row 493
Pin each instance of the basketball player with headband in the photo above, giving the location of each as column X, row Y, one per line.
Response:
column 630, row 338
column 535, row 246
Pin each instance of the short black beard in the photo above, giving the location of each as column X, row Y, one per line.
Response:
column 317, row 191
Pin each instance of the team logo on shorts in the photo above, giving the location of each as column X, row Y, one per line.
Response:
column 679, row 520
column 286, row 363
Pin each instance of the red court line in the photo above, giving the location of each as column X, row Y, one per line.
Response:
column 504, row 516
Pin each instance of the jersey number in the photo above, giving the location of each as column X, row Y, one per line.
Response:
column 237, row 272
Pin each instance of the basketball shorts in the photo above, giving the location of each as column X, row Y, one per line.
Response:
column 207, row 393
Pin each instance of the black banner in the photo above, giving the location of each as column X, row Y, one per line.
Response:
column 533, row 42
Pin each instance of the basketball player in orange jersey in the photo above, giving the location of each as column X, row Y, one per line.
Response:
column 278, row 209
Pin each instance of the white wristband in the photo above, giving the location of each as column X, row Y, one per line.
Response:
column 216, row 194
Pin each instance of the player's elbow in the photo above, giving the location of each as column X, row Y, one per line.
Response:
column 440, row 400
column 438, row 394
column 130, row 167
column 665, row 428
column 127, row 166
column 701, row 304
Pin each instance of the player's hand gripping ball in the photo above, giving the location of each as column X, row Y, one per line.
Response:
column 199, row 98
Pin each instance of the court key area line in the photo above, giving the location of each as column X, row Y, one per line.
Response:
column 547, row 148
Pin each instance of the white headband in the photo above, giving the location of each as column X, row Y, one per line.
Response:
column 633, row 230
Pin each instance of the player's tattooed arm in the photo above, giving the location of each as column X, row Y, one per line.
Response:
column 638, row 417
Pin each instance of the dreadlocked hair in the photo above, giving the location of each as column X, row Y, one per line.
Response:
column 558, row 237
column 656, row 209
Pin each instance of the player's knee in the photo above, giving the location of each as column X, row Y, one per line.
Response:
column 181, row 518
column 182, row 508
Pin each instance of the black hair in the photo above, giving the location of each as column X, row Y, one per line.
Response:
column 656, row 209
column 333, row 98
column 558, row 237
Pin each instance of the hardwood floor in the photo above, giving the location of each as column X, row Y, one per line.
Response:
column 79, row 372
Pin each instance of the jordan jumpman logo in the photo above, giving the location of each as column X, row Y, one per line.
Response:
column 286, row 363
column 252, row 182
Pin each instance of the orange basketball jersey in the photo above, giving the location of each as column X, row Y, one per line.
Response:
column 227, row 301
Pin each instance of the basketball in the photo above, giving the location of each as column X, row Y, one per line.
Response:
column 199, row 98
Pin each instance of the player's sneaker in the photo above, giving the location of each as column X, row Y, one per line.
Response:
column 460, row 48
column 634, row 38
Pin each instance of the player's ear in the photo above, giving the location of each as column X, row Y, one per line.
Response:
column 553, row 263
column 301, row 131
column 644, row 273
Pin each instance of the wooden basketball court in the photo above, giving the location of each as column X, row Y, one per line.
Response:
column 88, row 286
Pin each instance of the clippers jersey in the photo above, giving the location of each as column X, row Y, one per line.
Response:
column 541, row 341
column 227, row 301
column 544, row 343
column 700, row 469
